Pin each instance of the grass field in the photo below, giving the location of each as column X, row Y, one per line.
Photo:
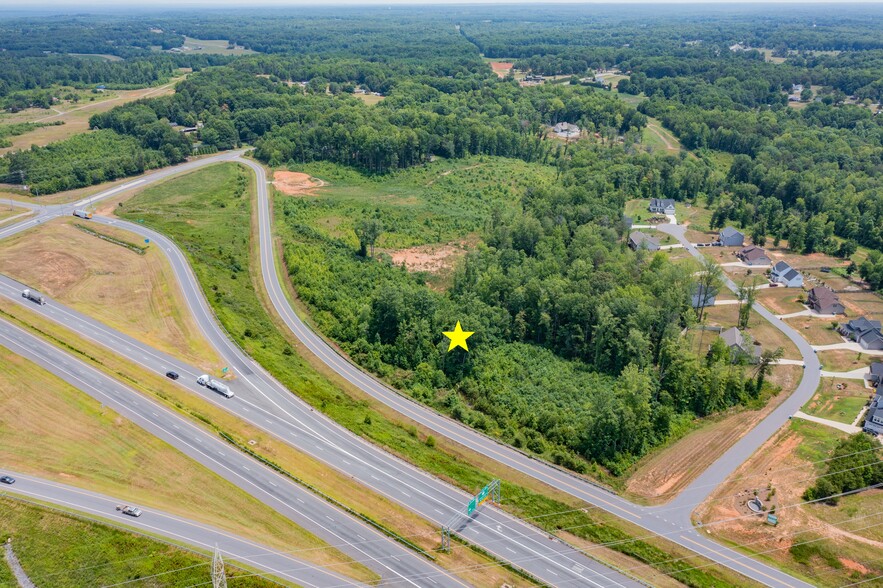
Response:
column 239, row 308
column 816, row 331
column 842, row 405
column 864, row 507
column 74, row 115
column 782, row 300
column 843, row 360
column 62, row 434
column 369, row 99
column 7, row 212
column 214, row 47
column 136, row 294
column 658, row 138
column 63, row 551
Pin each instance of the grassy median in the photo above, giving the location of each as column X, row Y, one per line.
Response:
column 59, row 550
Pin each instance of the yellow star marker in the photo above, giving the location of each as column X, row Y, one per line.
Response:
column 458, row 337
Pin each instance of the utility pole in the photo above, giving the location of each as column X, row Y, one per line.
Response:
column 219, row 576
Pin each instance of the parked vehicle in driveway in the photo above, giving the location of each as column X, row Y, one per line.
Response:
column 132, row 511
column 212, row 384
column 7, row 479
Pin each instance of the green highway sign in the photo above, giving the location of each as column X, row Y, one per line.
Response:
column 471, row 508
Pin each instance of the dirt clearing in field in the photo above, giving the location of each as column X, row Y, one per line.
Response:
column 501, row 68
column 295, row 183
column 429, row 258
column 136, row 294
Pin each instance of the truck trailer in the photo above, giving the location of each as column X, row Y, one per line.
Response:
column 82, row 213
column 212, row 384
column 34, row 296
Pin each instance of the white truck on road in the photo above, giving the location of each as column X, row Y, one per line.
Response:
column 212, row 384
column 32, row 295
column 82, row 213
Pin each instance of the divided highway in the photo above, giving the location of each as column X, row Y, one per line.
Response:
column 398, row 565
column 267, row 404
column 175, row 529
column 510, row 539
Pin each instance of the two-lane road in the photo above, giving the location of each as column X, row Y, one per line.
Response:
column 175, row 529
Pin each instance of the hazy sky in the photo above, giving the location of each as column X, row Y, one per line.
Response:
column 21, row 4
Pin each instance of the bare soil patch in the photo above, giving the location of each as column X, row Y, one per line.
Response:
column 501, row 68
column 430, row 258
column 295, row 183
column 664, row 474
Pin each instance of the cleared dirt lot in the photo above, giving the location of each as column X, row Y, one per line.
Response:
column 136, row 294
column 817, row 542
column 659, row 477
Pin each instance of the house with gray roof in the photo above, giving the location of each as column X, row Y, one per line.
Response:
column 786, row 275
column 823, row 300
column 662, row 205
column 702, row 296
column 753, row 255
column 741, row 345
column 566, row 130
column 874, row 416
column 730, row 237
column 860, row 328
column 875, row 373
column 639, row 240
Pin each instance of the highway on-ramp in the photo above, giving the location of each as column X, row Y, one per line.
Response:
column 175, row 529
column 398, row 565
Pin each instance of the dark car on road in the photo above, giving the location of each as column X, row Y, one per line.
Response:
column 172, row 375
column 7, row 479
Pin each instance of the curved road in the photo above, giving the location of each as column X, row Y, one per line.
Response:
column 655, row 519
column 175, row 529
column 265, row 403
column 671, row 521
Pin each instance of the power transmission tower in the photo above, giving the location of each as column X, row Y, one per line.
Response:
column 219, row 576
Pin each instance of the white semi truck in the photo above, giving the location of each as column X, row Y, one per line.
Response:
column 35, row 296
column 82, row 213
column 212, row 384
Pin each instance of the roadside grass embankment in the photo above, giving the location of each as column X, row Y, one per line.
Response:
column 212, row 246
column 98, row 271
column 98, row 555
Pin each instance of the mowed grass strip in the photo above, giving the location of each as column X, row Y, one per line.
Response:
column 135, row 294
column 62, row 551
column 212, row 229
column 51, row 429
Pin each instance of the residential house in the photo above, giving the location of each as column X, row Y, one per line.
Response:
column 730, row 237
column 874, row 416
column 875, row 375
column 565, row 130
column 741, row 345
column 753, row 255
column 702, row 296
column 855, row 328
column 823, row 300
column 662, row 205
column 638, row 240
column 783, row 273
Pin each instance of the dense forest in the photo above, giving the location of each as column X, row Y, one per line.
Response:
column 579, row 349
